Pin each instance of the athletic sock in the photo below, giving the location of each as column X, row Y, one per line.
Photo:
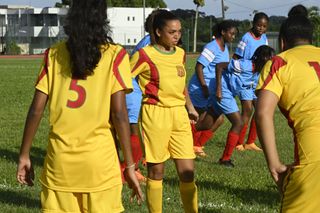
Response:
column 136, row 148
column 252, row 132
column 232, row 141
column 205, row 136
column 242, row 134
column 189, row 196
column 195, row 134
column 154, row 195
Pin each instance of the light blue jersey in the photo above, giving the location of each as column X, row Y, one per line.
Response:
column 134, row 98
column 248, row 45
column 243, row 78
column 209, row 57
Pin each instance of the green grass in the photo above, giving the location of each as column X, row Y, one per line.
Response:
column 246, row 188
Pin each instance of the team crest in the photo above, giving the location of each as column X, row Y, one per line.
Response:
column 180, row 71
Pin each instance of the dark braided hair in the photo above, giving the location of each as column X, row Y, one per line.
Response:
column 87, row 29
column 261, row 56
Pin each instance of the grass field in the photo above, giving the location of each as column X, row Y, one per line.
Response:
column 245, row 188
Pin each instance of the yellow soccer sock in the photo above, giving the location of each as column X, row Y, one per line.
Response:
column 189, row 196
column 154, row 195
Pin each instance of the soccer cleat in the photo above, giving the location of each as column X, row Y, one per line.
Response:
column 140, row 176
column 252, row 146
column 144, row 162
column 226, row 163
column 199, row 151
column 240, row 147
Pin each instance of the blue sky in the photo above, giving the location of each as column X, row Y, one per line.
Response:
column 238, row 9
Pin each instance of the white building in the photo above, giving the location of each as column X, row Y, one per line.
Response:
column 35, row 29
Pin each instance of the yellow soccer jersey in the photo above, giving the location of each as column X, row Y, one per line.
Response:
column 162, row 76
column 81, row 155
column 294, row 76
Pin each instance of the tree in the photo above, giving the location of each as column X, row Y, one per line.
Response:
column 123, row 3
column 313, row 13
column 198, row 3
column 136, row 3
column 63, row 3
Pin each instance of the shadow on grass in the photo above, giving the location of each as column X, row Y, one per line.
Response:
column 18, row 199
column 37, row 155
column 247, row 195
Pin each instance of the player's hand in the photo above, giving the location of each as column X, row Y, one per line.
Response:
column 134, row 185
column 193, row 115
column 25, row 172
column 205, row 91
column 278, row 174
column 218, row 94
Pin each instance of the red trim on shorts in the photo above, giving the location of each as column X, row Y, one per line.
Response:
column 44, row 70
column 152, row 88
column 116, row 64
column 291, row 125
column 277, row 63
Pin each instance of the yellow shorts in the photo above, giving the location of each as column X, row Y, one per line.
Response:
column 75, row 202
column 302, row 189
column 166, row 133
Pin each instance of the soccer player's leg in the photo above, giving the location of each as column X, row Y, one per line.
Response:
column 229, row 107
column 156, row 125
column 180, row 147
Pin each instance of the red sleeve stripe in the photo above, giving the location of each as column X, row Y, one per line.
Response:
column 116, row 64
column 277, row 63
column 152, row 88
column 140, row 60
column 44, row 70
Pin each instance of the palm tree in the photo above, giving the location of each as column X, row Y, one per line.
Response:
column 198, row 3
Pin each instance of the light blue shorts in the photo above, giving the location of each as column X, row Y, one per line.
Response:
column 133, row 100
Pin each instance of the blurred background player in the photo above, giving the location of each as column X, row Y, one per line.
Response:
column 201, row 83
column 283, row 84
column 81, row 169
column 246, row 47
column 227, row 86
column 165, row 122
column 298, row 10
column 133, row 101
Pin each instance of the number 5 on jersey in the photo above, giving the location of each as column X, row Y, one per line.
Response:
column 81, row 92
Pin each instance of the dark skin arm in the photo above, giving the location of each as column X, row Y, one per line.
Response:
column 119, row 117
column 219, row 69
column 265, row 109
column 25, row 173
column 199, row 73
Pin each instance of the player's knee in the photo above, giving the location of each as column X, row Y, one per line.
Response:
column 186, row 175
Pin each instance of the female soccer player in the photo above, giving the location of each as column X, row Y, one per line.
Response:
column 227, row 86
column 84, row 81
column 164, row 114
column 246, row 47
column 291, row 82
column 213, row 53
column 133, row 101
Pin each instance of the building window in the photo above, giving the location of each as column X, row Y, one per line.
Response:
column 133, row 18
column 135, row 40
column 128, row 18
column 128, row 40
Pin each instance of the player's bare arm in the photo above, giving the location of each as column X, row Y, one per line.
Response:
column 266, row 105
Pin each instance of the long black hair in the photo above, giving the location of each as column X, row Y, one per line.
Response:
column 87, row 29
